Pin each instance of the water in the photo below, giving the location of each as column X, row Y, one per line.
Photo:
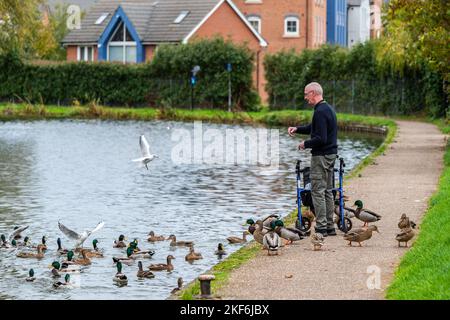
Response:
column 80, row 173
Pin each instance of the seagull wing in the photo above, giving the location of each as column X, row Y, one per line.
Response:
column 145, row 148
column 17, row 231
column 98, row 227
column 69, row 233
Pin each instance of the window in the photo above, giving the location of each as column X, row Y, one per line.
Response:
column 255, row 22
column 291, row 26
column 102, row 18
column 86, row 54
column 122, row 47
column 181, row 16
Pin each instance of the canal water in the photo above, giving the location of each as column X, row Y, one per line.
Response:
column 81, row 173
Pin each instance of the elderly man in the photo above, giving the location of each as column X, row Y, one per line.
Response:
column 323, row 145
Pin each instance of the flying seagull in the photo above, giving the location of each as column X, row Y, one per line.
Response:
column 80, row 238
column 145, row 150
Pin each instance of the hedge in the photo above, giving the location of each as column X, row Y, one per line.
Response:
column 163, row 82
column 354, row 81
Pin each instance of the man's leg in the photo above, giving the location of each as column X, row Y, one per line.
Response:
column 329, row 199
column 318, row 188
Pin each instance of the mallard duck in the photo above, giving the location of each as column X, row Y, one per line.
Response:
column 79, row 237
column 134, row 244
column 84, row 260
column 4, row 243
column 267, row 220
column 174, row 242
column 44, row 243
column 60, row 249
column 70, row 255
column 152, row 237
column 14, row 243
column 138, row 254
column 163, row 266
column 180, row 285
column 259, row 232
column 144, row 274
column 406, row 223
column 25, row 242
column 405, row 235
column 317, row 240
column 365, row 215
column 30, row 277
column 38, row 255
column 359, row 235
column 120, row 278
column 272, row 241
column 129, row 260
column 238, row 240
column 289, row 234
column 120, row 243
column 192, row 255
column 65, row 284
column 95, row 252
column 63, row 268
column 220, row 250
column 348, row 212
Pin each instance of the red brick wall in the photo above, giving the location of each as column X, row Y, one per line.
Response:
column 72, row 53
column 227, row 24
column 149, row 52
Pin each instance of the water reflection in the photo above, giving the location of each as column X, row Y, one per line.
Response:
column 80, row 173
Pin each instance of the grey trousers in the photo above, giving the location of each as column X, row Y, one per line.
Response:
column 322, row 176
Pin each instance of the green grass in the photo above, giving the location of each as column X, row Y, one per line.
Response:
column 424, row 271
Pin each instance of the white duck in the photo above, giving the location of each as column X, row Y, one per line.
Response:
column 145, row 150
column 79, row 238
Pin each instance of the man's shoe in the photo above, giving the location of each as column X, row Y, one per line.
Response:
column 331, row 232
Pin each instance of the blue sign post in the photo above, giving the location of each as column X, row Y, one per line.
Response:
column 194, row 72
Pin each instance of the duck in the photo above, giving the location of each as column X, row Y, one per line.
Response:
column 359, row 235
column 63, row 268
column 120, row 278
column 348, row 212
column 95, row 252
column 134, row 244
column 4, row 243
column 128, row 260
column 272, row 241
column 365, row 215
column 406, row 223
column 84, row 260
column 289, row 234
column 38, row 255
column 152, row 237
column 238, row 240
column 69, row 260
column 317, row 240
column 405, row 235
column 174, row 242
column 192, row 255
column 65, row 284
column 30, row 277
column 60, row 249
column 25, row 242
column 44, row 243
column 252, row 226
column 220, row 250
column 144, row 274
column 267, row 220
column 163, row 266
column 179, row 287
column 120, row 243
column 137, row 254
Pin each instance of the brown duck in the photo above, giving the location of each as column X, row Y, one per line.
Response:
column 359, row 235
column 405, row 235
column 238, row 240
column 163, row 266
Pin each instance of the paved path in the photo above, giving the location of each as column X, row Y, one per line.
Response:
column 401, row 181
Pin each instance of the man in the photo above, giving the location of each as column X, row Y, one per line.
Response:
column 323, row 145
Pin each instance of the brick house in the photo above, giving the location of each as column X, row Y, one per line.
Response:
column 129, row 31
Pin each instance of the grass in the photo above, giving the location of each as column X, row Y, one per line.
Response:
column 424, row 271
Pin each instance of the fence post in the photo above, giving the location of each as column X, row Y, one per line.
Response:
column 353, row 96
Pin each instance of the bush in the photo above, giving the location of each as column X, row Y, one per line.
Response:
column 164, row 81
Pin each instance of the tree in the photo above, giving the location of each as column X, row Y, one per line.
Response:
column 417, row 33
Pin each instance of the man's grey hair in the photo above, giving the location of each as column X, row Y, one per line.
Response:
column 316, row 87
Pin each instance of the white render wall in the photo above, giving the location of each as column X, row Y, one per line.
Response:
column 358, row 22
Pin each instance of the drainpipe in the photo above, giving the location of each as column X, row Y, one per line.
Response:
column 307, row 23
column 257, row 70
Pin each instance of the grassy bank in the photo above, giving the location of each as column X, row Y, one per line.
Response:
column 424, row 271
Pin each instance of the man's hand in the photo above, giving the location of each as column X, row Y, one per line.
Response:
column 301, row 146
column 292, row 131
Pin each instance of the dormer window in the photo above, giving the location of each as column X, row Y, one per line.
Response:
column 181, row 17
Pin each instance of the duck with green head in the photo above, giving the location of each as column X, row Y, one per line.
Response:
column 60, row 249
column 128, row 260
column 271, row 240
column 58, row 268
column 95, row 252
column 120, row 278
column 31, row 276
column 289, row 234
column 138, row 254
column 4, row 242
column 65, row 284
column 70, row 255
column 120, row 243
column 365, row 215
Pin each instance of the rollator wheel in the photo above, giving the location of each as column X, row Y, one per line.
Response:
column 306, row 224
column 348, row 225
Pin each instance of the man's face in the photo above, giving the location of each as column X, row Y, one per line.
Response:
column 309, row 96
